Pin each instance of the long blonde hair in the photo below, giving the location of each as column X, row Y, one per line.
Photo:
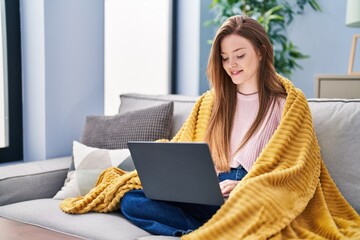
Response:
column 269, row 87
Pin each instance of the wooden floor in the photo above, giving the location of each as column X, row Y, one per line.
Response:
column 12, row 230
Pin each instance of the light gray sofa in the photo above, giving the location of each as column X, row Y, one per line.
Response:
column 26, row 189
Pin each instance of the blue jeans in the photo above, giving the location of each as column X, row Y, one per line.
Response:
column 170, row 218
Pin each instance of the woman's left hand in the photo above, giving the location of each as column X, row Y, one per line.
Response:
column 227, row 186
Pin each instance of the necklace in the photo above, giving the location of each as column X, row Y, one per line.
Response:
column 247, row 94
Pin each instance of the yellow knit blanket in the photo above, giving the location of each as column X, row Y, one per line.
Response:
column 288, row 194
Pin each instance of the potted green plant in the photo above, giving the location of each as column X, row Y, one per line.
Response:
column 275, row 16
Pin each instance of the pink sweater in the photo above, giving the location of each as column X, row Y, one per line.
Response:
column 246, row 110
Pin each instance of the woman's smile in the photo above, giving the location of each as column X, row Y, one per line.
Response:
column 236, row 73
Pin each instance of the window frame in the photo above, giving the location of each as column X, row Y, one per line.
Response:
column 14, row 152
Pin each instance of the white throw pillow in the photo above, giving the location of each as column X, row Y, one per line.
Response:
column 89, row 162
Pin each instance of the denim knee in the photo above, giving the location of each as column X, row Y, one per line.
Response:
column 131, row 203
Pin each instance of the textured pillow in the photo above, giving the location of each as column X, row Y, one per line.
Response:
column 88, row 164
column 113, row 132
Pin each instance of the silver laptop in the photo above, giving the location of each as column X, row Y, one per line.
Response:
column 178, row 172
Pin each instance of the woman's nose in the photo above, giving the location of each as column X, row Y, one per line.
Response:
column 232, row 62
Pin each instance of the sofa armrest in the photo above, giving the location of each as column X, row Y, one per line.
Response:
column 32, row 180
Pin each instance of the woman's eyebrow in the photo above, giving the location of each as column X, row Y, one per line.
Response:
column 234, row 50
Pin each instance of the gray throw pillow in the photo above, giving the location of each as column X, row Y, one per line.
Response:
column 113, row 132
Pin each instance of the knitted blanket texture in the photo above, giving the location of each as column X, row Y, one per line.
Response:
column 288, row 194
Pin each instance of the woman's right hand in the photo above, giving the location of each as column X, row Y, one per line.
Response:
column 227, row 186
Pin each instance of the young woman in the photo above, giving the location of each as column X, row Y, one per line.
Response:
column 248, row 100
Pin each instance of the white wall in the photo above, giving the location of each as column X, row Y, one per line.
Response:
column 137, row 49
column 33, row 68
column 325, row 37
column 62, row 61
column 74, row 56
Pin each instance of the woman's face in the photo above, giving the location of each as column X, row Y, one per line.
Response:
column 240, row 60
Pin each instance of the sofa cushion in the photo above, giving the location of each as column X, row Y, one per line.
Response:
column 337, row 126
column 182, row 105
column 89, row 162
column 47, row 214
column 32, row 180
column 113, row 132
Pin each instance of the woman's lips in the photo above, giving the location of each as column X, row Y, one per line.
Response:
column 235, row 73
